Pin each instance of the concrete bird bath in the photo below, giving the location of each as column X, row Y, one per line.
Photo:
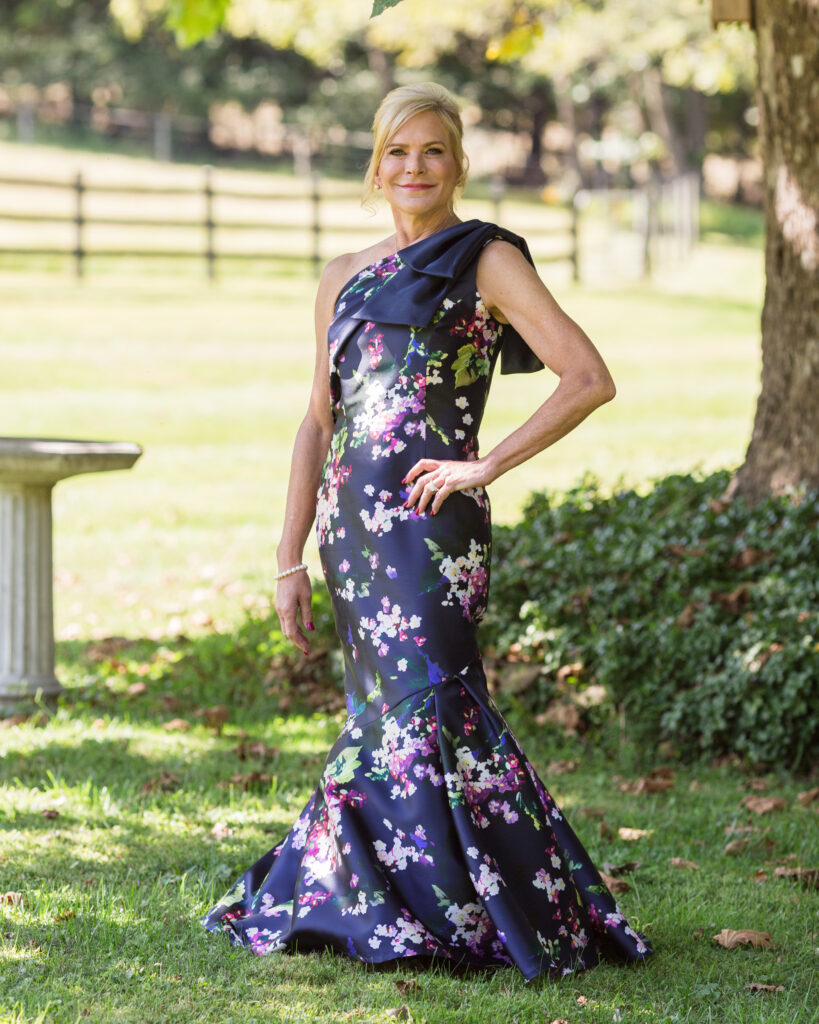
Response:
column 29, row 469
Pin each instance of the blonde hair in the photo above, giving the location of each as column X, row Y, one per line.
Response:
column 397, row 107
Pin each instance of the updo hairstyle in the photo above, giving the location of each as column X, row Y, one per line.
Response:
column 397, row 107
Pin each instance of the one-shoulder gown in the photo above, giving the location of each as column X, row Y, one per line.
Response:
column 429, row 832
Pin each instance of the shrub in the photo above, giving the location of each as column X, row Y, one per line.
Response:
column 698, row 617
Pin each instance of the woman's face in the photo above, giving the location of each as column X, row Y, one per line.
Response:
column 418, row 171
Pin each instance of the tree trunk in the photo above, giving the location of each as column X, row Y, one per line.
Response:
column 784, row 448
column 658, row 115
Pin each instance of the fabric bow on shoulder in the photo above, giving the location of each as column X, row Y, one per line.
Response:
column 429, row 267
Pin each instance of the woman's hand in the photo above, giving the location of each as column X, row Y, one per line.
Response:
column 438, row 478
column 294, row 595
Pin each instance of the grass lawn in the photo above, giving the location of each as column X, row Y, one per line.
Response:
column 118, row 833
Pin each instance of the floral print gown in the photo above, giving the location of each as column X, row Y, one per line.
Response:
column 429, row 832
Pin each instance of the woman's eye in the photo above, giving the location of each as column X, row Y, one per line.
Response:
column 435, row 150
column 396, row 152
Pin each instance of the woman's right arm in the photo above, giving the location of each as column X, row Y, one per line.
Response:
column 293, row 594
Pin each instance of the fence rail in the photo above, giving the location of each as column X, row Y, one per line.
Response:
column 304, row 213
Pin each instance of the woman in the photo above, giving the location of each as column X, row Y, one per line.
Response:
column 429, row 832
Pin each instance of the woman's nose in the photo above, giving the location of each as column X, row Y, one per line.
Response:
column 415, row 163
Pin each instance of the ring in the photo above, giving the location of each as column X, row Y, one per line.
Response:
column 433, row 488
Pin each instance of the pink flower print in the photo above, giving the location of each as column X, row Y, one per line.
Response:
column 353, row 881
column 376, row 349
column 343, row 566
column 391, row 572
column 383, row 650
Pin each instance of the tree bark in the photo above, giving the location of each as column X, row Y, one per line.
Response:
column 785, row 441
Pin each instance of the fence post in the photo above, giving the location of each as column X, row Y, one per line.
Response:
column 578, row 199
column 210, row 255
column 497, row 187
column 316, row 228
column 79, row 220
column 163, row 137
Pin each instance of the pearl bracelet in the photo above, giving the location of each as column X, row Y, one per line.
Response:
column 289, row 572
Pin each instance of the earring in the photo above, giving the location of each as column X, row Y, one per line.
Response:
column 378, row 184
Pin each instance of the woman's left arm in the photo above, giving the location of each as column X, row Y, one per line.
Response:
column 512, row 291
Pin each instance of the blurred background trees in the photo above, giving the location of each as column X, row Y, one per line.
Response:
column 634, row 87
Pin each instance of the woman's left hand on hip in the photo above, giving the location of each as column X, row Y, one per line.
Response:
column 436, row 479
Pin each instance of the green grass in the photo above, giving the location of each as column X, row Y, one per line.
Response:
column 112, row 887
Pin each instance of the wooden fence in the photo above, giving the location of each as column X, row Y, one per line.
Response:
column 297, row 215
column 314, row 221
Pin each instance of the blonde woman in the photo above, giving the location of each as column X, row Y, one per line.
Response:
column 429, row 833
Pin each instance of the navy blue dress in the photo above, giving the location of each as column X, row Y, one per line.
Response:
column 429, row 832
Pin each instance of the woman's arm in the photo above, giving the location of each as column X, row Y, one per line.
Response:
column 511, row 289
column 293, row 593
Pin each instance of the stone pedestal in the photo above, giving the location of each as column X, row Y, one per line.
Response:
column 29, row 468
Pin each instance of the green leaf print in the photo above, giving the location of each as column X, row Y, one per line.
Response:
column 344, row 766
column 437, row 554
column 464, row 374
column 443, row 899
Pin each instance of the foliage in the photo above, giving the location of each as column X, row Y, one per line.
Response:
column 698, row 617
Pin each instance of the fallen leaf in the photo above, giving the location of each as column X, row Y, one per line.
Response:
column 582, row 1000
column 604, row 830
column 686, row 617
column 808, row 796
column 630, row 834
column 615, row 884
column 655, row 782
column 667, row 750
column 252, row 780
column 758, row 785
column 681, row 862
column 730, row 939
column 748, row 557
column 807, row 876
column 167, row 782
column 740, row 830
column 7, row 723
column 694, row 786
column 560, row 1020
column 760, row 876
column 733, row 601
column 14, row 898
column 755, row 986
column 565, row 715
column 176, row 725
column 261, row 751
column 401, row 1012
column 221, row 831
column 562, row 767
column 50, row 813
column 763, row 804
column 735, row 847
column 621, row 869
column 407, row 986
column 135, row 689
column 215, row 717
column 64, row 917
column 698, row 934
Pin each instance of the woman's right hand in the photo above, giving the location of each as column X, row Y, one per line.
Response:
column 293, row 597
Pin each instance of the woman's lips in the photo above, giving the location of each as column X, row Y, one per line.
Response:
column 416, row 188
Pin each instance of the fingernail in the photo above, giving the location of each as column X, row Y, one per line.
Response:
column 310, row 625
